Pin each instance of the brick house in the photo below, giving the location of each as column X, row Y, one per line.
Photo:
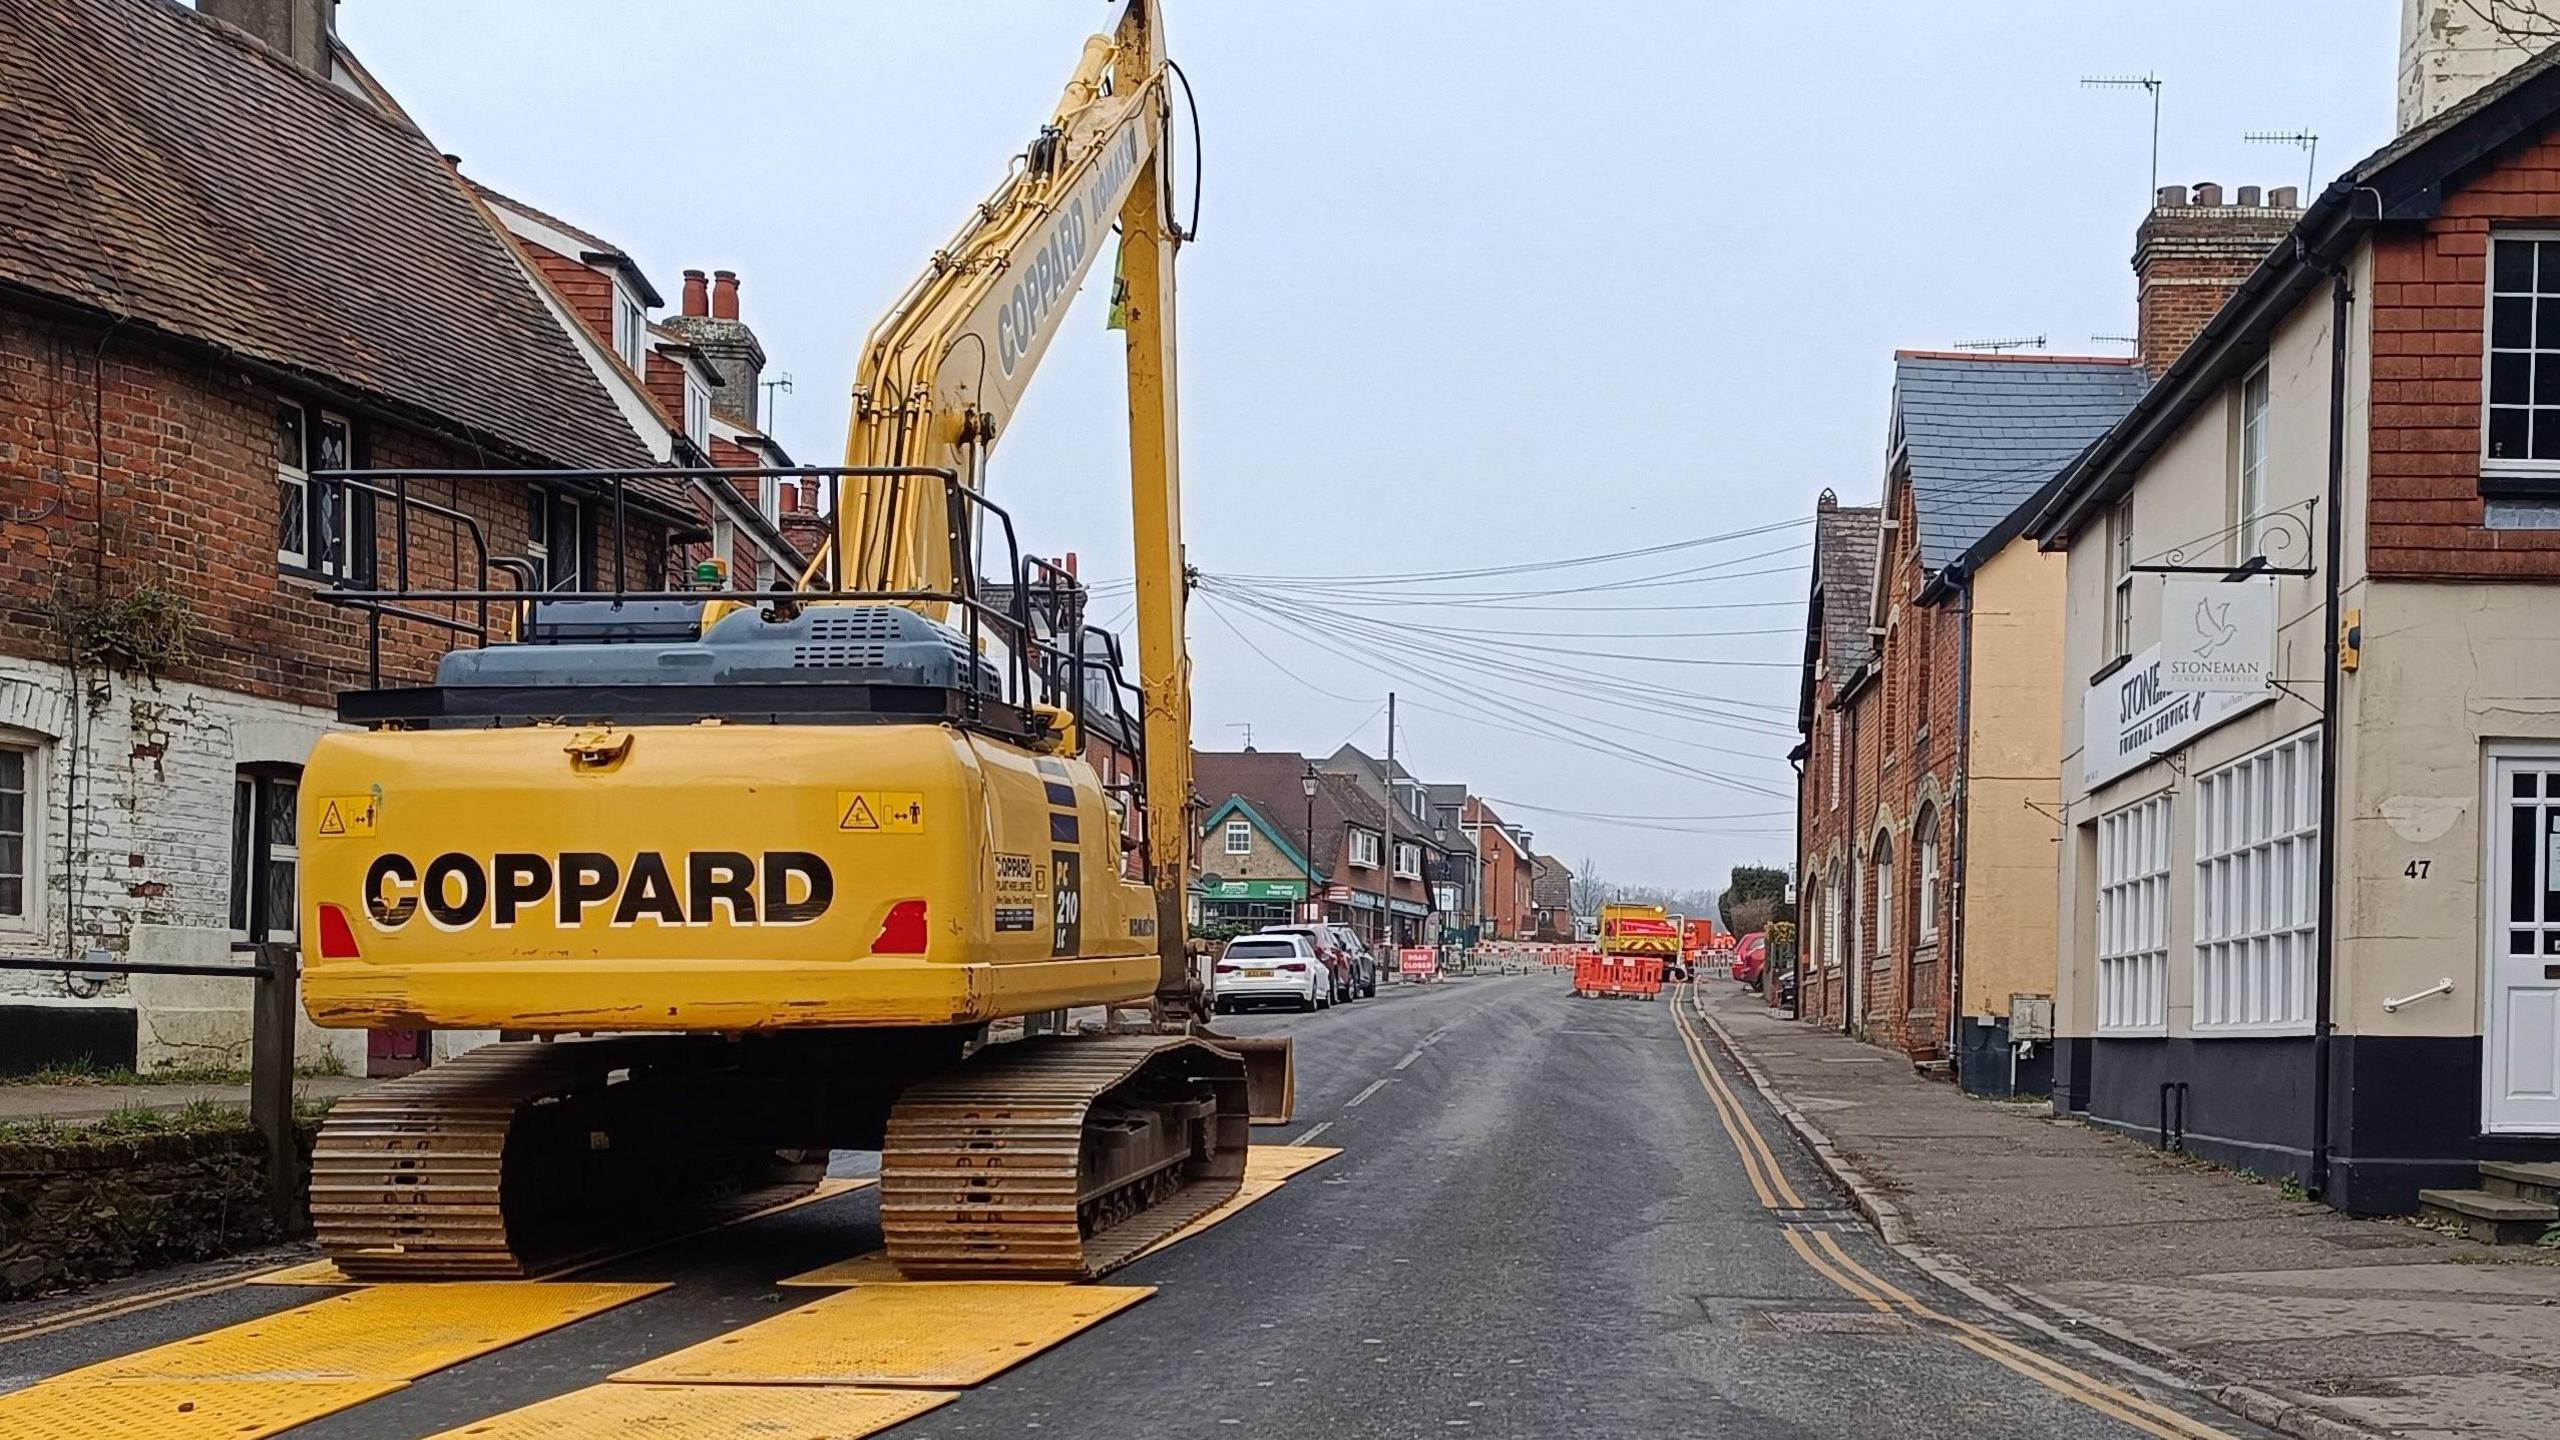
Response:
column 1837, row 649
column 1425, row 843
column 1261, row 865
column 1506, row 865
column 1550, row 899
column 232, row 266
column 1930, row 908
column 2321, row 911
column 696, row 375
column 1349, row 838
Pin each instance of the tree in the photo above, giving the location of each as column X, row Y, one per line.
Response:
column 1590, row 892
column 1757, row 895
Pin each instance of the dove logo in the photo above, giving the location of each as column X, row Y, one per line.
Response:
column 2216, row 637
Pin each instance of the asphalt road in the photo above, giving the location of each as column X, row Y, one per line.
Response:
column 1539, row 1227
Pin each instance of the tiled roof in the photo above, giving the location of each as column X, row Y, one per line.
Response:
column 1844, row 552
column 165, row 168
column 1984, row 433
column 1551, row 884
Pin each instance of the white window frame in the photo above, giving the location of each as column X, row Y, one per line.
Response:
column 1831, row 909
column 35, row 754
column 630, row 330
column 1835, row 759
column 2257, row 867
column 2249, row 485
column 697, row 410
column 1364, row 848
column 1409, row 869
column 1239, row 836
column 1880, row 860
column 1924, row 846
column 2120, row 576
column 2489, row 352
column 2133, row 918
column 293, row 476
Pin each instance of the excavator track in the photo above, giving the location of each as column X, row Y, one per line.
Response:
column 1060, row 1159
column 520, row 1158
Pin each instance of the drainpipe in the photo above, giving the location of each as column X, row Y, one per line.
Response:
column 2341, row 298
column 1963, row 807
column 1795, row 1011
column 1851, row 960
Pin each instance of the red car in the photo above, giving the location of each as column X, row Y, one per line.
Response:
column 1751, row 957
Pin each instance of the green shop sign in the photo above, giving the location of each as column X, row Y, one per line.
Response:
column 1256, row 890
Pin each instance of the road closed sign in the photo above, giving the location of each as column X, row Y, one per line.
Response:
column 1418, row 962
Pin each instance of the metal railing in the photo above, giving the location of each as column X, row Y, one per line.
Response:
column 274, row 989
column 1043, row 656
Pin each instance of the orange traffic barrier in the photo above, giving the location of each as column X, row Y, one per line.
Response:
column 1636, row 977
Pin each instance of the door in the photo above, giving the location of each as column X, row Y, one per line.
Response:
column 2521, row 1037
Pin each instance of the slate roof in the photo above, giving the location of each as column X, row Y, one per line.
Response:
column 1844, row 556
column 165, row 168
column 1984, row 433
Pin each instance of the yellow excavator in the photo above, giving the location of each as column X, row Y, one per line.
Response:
column 746, row 877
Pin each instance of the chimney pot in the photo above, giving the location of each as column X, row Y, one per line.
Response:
column 2172, row 196
column 697, row 293
column 724, row 294
column 2285, row 197
column 2208, row 193
column 2249, row 196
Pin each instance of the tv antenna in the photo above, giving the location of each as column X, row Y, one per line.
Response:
column 780, row 383
column 2023, row 342
column 1247, row 727
column 2151, row 83
column 2115, row 339
column 2303, row 140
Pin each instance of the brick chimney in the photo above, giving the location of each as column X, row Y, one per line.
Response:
column 710, row 320
column 2450, row 48
column 2191, row 252
column 299, row 30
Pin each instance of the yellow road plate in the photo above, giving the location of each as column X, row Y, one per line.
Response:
column 697, row 1412
column 937, row 1335
column 68, row 1408
column 1279, row 1162
column 385, row 1332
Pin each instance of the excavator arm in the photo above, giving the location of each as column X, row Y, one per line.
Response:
column 941, row 375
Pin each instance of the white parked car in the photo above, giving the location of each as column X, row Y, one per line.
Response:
column 1270, row 970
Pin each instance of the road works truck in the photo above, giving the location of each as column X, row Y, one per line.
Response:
column 1638, row 945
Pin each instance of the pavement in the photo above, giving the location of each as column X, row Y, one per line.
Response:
column 2326, row 1324
column 1551, row 1217
column 80, row 1103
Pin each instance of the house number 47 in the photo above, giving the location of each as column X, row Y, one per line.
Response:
column 2417, row 869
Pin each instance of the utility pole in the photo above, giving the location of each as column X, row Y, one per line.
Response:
column 1388, row 859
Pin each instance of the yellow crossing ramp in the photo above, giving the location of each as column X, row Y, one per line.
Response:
column 384, row 1332
column 1266, row 1168
column 98, row 1409
column 1278, row 1162
column 326, row 1272
column 707, row 1412
column 936, row 1334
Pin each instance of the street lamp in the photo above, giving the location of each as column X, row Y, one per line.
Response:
column 1307, row 783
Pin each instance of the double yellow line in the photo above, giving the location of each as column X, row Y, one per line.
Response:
column 1824, row 1254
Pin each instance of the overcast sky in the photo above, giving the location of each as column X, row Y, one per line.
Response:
column 1477, row 285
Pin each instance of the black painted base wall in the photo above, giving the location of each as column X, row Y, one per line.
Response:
column 35, row 1036
column 1983, row 1061
column 2404, row 1111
